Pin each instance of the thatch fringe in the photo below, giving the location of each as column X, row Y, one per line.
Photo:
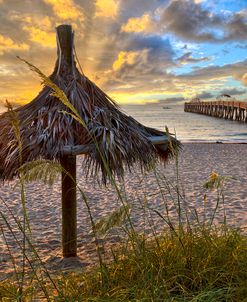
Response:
column 45, row 128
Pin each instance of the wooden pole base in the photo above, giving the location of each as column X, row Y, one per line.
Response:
column 69, row 228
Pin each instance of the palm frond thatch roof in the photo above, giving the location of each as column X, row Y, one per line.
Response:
column 45, row 128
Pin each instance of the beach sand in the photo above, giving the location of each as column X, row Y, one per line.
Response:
column 196, row 162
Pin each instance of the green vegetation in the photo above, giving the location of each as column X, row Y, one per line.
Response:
column 199, row 265
column 192, row 260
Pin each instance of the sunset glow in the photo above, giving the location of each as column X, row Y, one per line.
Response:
column 137, row 51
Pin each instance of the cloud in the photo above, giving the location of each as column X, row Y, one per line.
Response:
column 17, row 82
column 235, row 70
column 46, row 39
column 187, row 59
column 39, row 28
column 141, row 65
column 136, row 67
column 146, row 63
column 241, row 46
column 244, row 79
column 236, row 28
column 153, row 51
column 187, row 19
column 128, row 47
column 144, row 24
column 190, row 21
column 40, row 21
column 127, row 58
column 161, row 52
column 213, row 79
column 137, row 8
column 225, row 51
column 66, row 9
column 204, row 95
column 45, row 23
column 7, row 44
column 233, row 91
column 107, row 8
column 129, row 64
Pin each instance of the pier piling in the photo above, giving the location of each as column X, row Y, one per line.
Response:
column 230, row 110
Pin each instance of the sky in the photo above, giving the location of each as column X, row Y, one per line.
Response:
column 138, row 51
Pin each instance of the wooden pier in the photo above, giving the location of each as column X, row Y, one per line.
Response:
column 236, row 111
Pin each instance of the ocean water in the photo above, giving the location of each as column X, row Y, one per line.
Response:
column 189, row 127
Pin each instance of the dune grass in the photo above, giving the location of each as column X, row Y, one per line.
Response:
column 192, row 260
column 208, row 265
column 201, row 266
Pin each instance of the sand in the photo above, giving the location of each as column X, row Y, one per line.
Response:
column 196, row 162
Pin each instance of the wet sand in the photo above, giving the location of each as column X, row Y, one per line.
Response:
column 196, row 162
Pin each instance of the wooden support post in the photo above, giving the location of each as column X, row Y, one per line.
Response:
column 69, row 230
column 65, row 39
column 65, row 43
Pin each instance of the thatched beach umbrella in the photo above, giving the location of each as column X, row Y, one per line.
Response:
column 47, row 132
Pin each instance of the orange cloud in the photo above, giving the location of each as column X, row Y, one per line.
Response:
column 244, row 79
column 125, row 57
column 46, row 39
column 134, row 98
column 44, row 23
column 142, row 24
column 66, row 9
column 107, row 8
column 8, row 44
